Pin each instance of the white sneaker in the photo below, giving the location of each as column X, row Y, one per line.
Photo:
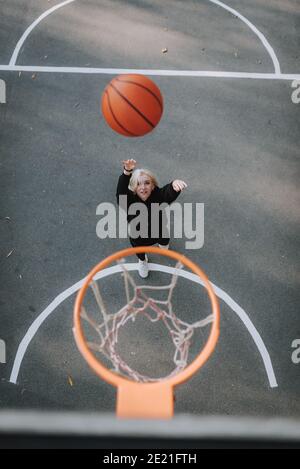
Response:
column 161, row 246
column 143, row 268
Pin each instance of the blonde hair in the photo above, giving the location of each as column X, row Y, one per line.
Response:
column 133, row 183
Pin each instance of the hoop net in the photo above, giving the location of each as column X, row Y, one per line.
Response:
column 140, row 302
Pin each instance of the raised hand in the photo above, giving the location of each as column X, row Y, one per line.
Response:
column 178, row 185
column 129, row 164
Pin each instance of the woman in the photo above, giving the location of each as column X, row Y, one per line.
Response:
column 140, row 185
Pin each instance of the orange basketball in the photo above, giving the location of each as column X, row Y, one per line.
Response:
column 132, row 105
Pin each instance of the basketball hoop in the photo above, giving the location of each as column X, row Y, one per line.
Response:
column 139, row 396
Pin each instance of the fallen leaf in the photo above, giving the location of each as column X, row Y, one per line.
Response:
column 70, row 381
column 33, row 76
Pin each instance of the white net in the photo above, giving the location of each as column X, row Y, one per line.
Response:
column 140, row 302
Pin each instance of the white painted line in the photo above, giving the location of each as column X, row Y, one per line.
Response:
column 241, row 314
column 263, row 39
column 171, row 73
column 35, row 327
column 31, row 27
column 155, row 267
column 252, row 331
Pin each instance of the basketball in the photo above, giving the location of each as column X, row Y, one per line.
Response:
column 132, row 105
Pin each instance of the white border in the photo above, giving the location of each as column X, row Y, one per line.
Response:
column 154, row 267
column 31, row 27
column 262, row 38
column 172, row 73
column 234, row 12
column 234, row 306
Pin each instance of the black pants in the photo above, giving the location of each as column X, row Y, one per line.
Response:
column 147, row 242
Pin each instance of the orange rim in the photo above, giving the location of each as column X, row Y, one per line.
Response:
column 112, row 377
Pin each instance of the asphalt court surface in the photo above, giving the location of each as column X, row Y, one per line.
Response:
column 235, row 141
